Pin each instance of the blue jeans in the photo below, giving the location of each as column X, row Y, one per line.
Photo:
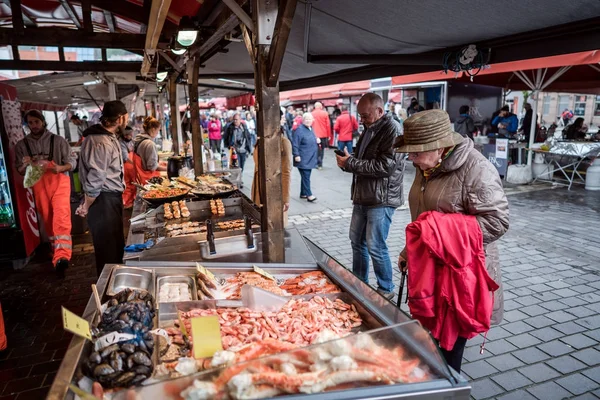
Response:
column 242, row 160
column 305, row 182
column 347, row 145
column 368, row 234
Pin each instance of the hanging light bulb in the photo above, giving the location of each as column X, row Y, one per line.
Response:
column 187, row 34
column 161, row 76
column 178, row 52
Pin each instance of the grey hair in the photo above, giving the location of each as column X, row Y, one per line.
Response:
column 306, row 115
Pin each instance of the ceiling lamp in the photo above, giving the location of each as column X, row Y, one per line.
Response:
column 178, row 52
column 161, row 76
column 188, row 32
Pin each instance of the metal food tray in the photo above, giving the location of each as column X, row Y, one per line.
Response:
column 130, row 277
column 185, row 279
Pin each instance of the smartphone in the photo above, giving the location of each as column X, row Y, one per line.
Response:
column 339, row 153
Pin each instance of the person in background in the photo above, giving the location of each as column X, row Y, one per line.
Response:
column 285, row 129
column 576, row 131
column 345, row 126
column 376, row 191
column 566, row 116
column 402, row 117
column 527, row 121
column 144, row 156
column 75, row 120
column 305, row 149
column 392, row 111
column 458, row 179
column 53, row 192
column 414, row 107
column 506, row 122
column 238, row 137
column 464, row 124
column 214, row 134
column 126, row 142
column 322, row 128
column 251, row 125
column 101, row 174
column 297, row 120
column 289, row 117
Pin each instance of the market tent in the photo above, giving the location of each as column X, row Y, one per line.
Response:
column 326, row 92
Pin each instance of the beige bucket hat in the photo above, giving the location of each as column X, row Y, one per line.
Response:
column 426, row 131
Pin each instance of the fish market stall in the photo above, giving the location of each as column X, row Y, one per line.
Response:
column 311, row 329
column 225, row 229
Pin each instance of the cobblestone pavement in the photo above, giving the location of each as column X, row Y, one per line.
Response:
column 548, row 346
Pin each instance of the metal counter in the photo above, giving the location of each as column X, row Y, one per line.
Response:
column 448, row 385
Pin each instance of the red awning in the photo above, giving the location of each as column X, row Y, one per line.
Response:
column 240, row 101
column 582, row 77
column 327, row 92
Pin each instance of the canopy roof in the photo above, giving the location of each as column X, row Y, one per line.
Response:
column 583, row 76
column 326, row 92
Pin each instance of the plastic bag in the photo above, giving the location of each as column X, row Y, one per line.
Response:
column 33, row 173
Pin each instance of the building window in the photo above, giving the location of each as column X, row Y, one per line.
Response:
column 563, row 104
column 579, row 106
column 546, row 105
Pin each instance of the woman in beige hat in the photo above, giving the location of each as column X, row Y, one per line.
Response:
column 453, row 177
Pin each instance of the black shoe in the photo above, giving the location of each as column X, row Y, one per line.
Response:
column 60, row 267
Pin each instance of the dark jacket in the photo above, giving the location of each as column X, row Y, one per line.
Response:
column 378, row 172
column 304, row 144
column 230, row 139
column 465, row 126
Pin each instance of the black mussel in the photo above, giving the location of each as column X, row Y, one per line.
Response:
column 142, row 346
column 147, row 335
column 130, row 362
column 103, row 370
column 95, row 358
column 137, row 327
column 142, row 359
column 113, row 302
column 138, row 379
column 145, row 330
column 128, row 348
column 124, row 379
column 142, row 369
column 131, row 296
column 109, row 350
column 149, row 344
column 124, row 317
column 116, row 362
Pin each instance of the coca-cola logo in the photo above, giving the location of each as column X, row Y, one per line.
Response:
column 31, row 214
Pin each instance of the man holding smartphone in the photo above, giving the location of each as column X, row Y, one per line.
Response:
column 376, row 191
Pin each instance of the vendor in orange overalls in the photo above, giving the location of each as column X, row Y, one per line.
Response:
column 126, row 142
column 144, row 155
column 53, row 192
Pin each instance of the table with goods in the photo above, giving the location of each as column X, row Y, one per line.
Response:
column 238, row 330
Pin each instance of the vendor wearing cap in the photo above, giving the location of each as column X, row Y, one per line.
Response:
column 53, row 191
column 452, row 177
column 102, row 181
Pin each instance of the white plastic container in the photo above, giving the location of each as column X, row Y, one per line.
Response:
column 540, row 169
column 592, row 176
column 519, row 174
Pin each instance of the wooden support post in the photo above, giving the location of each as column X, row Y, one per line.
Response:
column 86, row 11
column 174, row 106
column 197, row 142
column 269, row 143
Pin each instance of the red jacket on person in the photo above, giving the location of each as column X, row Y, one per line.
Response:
column 450, row 291
column 344, row 125
column 321, row 124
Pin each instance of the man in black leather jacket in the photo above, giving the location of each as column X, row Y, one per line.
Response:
column 376, row 191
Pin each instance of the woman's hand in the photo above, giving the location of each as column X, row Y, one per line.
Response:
column 402, row 265
column 286, row 206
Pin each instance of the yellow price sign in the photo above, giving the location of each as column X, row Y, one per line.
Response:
column 206, row 335
column 264, row 273
column 75, row 324
column 206, row 272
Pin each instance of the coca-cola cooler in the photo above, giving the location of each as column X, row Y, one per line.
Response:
column 19, row 228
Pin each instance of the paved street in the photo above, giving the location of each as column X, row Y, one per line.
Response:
column 548, row 344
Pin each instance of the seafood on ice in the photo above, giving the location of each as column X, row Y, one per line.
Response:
column 310, row 282
column 352, row 362
column 233, row 285
column 299, row 322
column 174, row 292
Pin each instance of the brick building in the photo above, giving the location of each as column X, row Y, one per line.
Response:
column 551, row 106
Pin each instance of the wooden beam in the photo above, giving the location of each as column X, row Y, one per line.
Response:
column 241, row 14
column 110, row 21
column 15, row 52
column 197, row 142
column 61, row 54
column 71, row 38
column 248, row 43
column 104, row 55
column 126, row 9
column 71, row 12
column 174, row 106
column 269, row 153
column 86, row 12
column 156, row 21
column 227, row 76
column 17, row 15
column 90, row 66
column 283, row 26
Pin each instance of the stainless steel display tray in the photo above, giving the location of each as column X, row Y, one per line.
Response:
column 186, row 280
column 130, row 277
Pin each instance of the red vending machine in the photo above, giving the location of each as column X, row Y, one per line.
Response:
column 19, row 228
